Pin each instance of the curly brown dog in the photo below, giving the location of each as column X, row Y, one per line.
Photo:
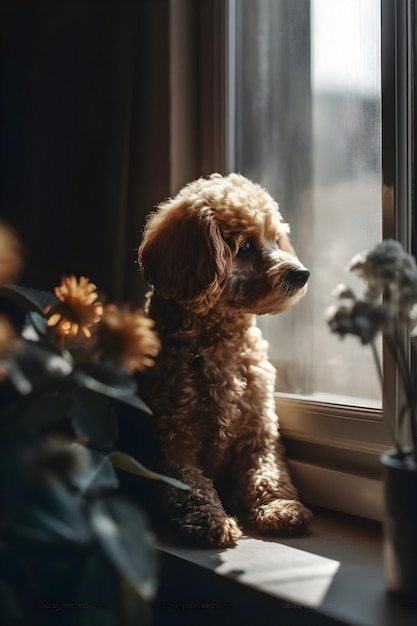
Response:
column 217, row 255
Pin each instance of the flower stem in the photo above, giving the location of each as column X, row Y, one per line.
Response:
column 397, row 349
column 408, row 387
column 377, row 362
column 413, row 413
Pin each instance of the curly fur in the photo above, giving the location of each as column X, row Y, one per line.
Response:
column 212, row 387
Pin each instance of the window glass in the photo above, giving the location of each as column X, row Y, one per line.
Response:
column 306, row 124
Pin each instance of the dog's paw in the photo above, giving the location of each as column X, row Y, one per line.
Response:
column 225, row 532
column 283, row 517
column 220, row 531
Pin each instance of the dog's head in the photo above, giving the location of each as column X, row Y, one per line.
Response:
column 222, row 241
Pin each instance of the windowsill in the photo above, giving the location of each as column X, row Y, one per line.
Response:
column 332, row 576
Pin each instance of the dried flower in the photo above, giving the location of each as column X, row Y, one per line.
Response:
column 389, row 306
column 10, row 255
column 390, row 271
column 77, row 309
column 343, row 291
column 361, row 318
column 127, row 337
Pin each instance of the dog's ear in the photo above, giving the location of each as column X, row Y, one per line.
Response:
column 184, row 256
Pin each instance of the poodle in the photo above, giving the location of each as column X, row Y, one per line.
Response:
column 215, row 256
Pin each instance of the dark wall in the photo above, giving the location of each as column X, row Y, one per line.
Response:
column 84, row 125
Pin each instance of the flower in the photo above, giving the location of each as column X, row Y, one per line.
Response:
column 343, row 291
column 8, row 337
column 127, row 337
column 361, row 318
column 10, row 255
column 77, row 309
column 390, row 271
column 58, row 426
column 389, row 305
column 8, row 344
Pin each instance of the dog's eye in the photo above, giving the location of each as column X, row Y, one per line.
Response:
column 246, row 249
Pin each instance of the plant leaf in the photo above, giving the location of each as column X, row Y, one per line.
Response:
column 98, row 585
column 124, row 536
column 94, row 417
column 127, row 463
column 45, row 410
column 28, row 299
column 109, row 380
column 18, row 379
column 98, row 476
column 53, row 514
column 135, row 609
column 110, row 374
column 38, row 366
column 36, row 323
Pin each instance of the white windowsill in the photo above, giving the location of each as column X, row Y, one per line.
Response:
column 332, row 576
column 335, row 456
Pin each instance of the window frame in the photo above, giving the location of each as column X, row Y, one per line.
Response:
column 334, row 449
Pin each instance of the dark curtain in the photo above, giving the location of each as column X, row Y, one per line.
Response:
column 85, row 131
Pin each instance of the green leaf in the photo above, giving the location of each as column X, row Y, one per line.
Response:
column 99, row 475
column 121, row 530
column 98, row 586
column 18, row 379
column 28, row 299
column 53, row 514
column 38, row 366
column 46, row 410
column 110, row 374
column 37, row 322
column 134, row 608
column 109, row 380
column 125, row 462
column 93, row 417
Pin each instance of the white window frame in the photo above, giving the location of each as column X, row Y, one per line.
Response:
column 334, row 449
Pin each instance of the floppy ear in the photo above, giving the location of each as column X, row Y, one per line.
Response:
column 184, row 256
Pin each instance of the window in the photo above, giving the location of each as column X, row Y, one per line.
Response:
column 320, row 113
column 308, row 128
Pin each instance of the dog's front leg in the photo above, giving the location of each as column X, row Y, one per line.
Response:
column 199, row 512
column 268, row 492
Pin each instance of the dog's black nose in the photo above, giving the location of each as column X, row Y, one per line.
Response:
column 298, row 277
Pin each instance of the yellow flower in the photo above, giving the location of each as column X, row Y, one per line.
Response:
column 127, row 337
column 10, row 255
column 77, row 308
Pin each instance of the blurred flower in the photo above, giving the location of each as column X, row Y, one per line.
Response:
column 389, row 305
column 127, row 337
column 361, row 318
column 390, row 271
column 58, row 486
column 343, row 291
column 8, row 344
column 77, row 309
column 8, row 337
column 10, row 255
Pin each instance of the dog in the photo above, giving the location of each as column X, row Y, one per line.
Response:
column 215, row 256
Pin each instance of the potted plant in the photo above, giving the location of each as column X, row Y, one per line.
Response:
column 389, row 306
column 73, row 548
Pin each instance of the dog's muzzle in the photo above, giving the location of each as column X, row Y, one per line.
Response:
column 297, row 277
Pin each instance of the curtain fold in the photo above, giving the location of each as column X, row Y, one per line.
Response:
column 85, row 135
